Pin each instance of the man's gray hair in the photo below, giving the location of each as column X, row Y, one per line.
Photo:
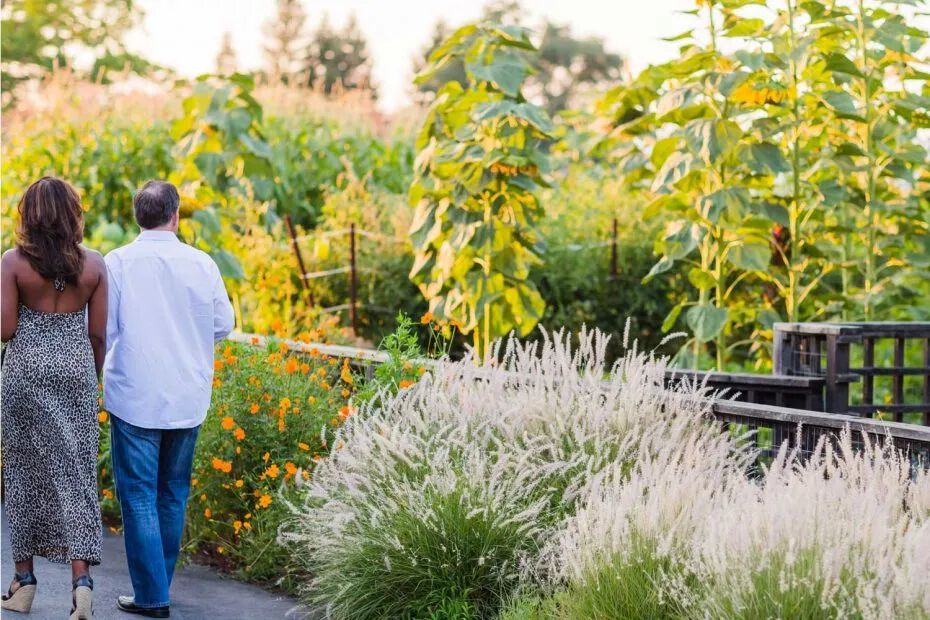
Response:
column 155, row 204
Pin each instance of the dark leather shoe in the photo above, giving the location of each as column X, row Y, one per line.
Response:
column 128, row 604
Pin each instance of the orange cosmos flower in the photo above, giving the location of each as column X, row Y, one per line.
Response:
column 221, row 465
column 239, row 434
column 303, row 446
column 228, row 423
column 406, row 383
column 102, row 417
column 264, row 501
column 291, row 366
column 254, row 408
column 207, row 513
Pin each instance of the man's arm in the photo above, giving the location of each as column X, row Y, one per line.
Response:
column 223, row 318
column 114, row 282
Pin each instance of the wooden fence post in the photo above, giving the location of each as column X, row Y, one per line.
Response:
column 300, row 259
column 353, row 282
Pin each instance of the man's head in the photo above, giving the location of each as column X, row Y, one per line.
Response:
column 156, row 206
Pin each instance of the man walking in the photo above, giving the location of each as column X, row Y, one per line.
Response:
column 167, row 307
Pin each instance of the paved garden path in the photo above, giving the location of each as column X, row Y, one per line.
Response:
column 197, row 593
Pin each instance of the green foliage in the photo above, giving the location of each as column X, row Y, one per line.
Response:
column 452, row 552
column 565, row 66
column 39, row 35
column 481, row 161
column 784, row 164
column 105, row 159
column 627, row 588
column 401, row 368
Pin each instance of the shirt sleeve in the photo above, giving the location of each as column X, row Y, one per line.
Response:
column 114, row 285
column 223, row 318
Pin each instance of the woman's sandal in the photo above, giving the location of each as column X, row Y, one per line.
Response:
column 21, row 599
column 82, row 599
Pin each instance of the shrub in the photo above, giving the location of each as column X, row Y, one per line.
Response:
column 274, row 414
column 457, row 481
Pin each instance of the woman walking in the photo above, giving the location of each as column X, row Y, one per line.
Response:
column 54, row 309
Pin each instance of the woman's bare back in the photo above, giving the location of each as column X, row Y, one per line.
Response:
column 40, row 294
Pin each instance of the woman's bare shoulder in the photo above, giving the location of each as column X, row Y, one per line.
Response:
column 12, row 258
column 93, row 261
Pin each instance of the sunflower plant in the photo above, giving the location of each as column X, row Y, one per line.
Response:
column 481, row 159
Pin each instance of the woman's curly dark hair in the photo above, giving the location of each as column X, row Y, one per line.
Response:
column 51, row 228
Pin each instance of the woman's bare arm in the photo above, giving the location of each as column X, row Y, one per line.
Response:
column 97, row 312
column 9, row 304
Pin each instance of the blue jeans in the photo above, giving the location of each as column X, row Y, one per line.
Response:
column 152, row 469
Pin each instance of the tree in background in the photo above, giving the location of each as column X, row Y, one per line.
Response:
column 285, row 34
column 40, row 35
column 338, row 57
column 226, row 61
column 563, row 68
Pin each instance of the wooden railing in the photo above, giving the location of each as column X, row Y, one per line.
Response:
column 844, row 354
column 773, row 424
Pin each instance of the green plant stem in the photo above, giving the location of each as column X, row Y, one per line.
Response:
column 794, row 208
column 871, row 252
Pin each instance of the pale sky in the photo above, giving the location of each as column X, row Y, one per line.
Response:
column 185, row 34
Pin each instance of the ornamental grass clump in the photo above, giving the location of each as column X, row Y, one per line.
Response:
column 445, row 492
column 844, row 534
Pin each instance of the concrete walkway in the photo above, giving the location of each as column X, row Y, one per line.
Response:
column 197, row 593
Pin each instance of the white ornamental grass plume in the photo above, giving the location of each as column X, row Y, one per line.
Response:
column 447, row 490
column 841, row 535
column 843, row 532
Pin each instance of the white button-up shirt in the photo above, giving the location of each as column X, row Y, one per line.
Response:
column 167, row 307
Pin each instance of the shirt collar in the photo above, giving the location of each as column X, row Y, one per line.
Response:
column 157, row 235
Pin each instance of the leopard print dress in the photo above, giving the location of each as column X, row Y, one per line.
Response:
column 50, row 438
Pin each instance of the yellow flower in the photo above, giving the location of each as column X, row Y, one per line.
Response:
column 220, row 550
column 346, row 374
column 285, row 403
column 266, row 456
column 239, row 434
column 273, row 471
column 247, row 525
column 228, row 423
column 107, row 493
column 203, row 497
column 195, row 482
column 237, row 525
column 102, row 417
column 303, row 446
column 264, row 501
column 239, row 484
column 290, row 468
